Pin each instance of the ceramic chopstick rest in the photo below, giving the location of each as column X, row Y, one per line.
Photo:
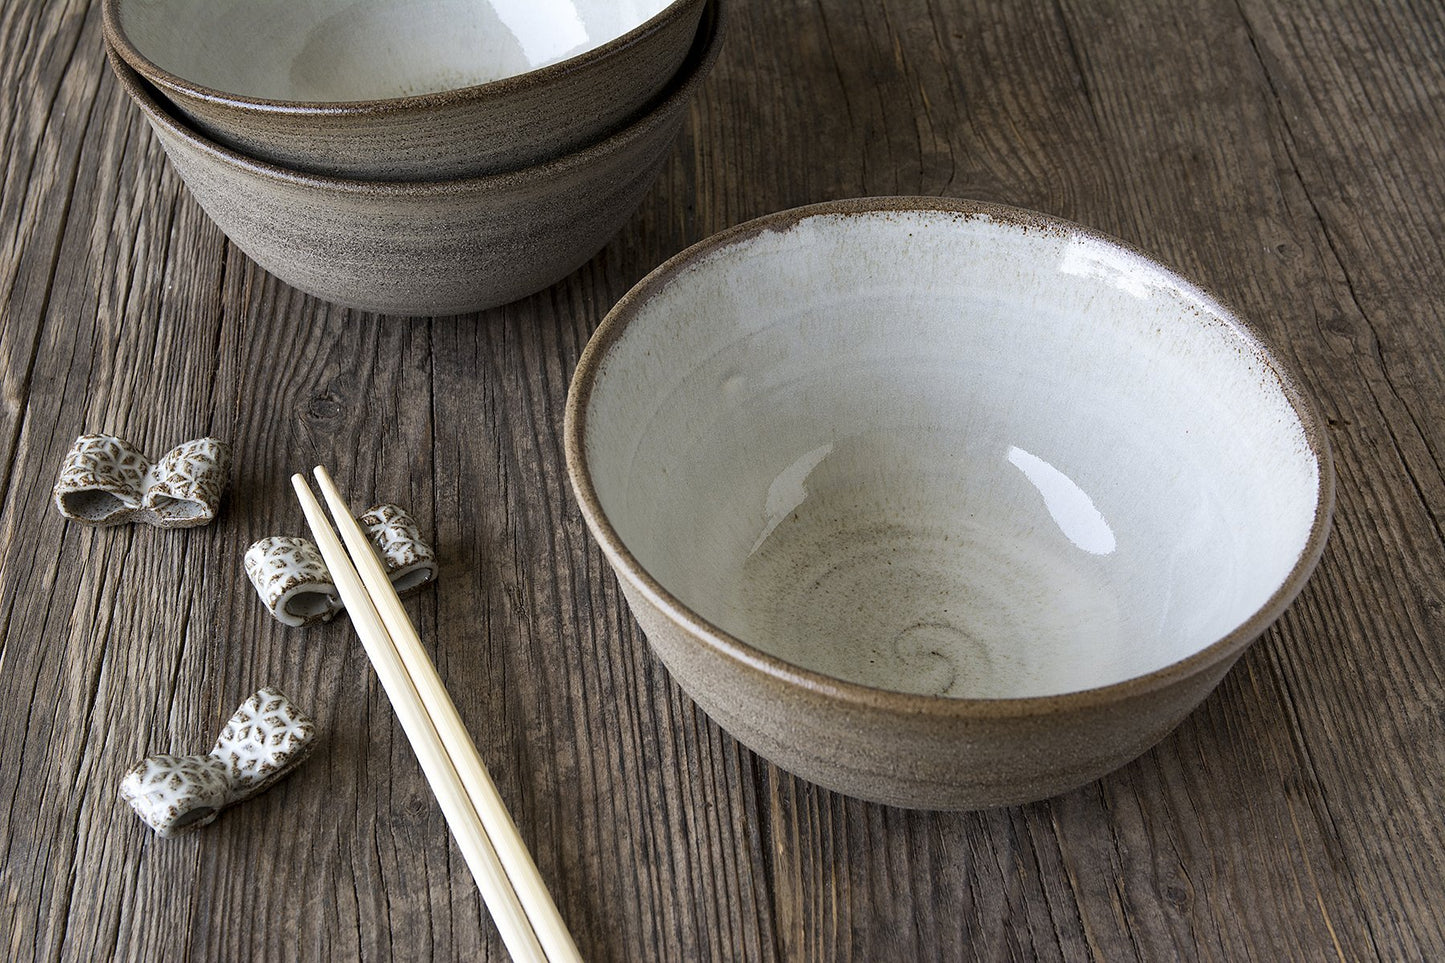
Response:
column 106, row 480
column 295, row 585
column 264, row 740
column 184, row 488
column 102, row 480
column 292, row 580
column 172, row 793
column 409, row 561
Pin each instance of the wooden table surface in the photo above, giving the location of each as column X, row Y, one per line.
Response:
column 1291, row 156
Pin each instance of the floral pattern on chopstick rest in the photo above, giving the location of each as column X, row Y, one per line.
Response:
column 264, row 740
column 409, row 561
column 184, row 488
column 102, row 480
column 105, row 480
column 296, row 587
column 174, row 793
column 292, row 580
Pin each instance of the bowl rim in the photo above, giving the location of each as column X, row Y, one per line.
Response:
column 862, row 696
column 113, row 29
column 695, row 68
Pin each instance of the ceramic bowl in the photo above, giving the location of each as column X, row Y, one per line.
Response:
column 942, row 504
column 434, row 247
column 428, row 91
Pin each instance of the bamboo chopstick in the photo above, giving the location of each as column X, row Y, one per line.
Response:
column 547, row 922
column 481, row 858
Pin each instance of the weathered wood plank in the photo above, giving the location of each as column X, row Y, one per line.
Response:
column 1289, row 157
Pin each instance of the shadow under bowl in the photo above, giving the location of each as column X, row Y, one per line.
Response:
column 943, row 504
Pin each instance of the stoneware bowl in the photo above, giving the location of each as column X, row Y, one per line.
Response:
column 428, row 91
column 433, row 247
column 941, row 504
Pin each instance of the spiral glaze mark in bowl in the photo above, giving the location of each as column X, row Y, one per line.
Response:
column 943, row 504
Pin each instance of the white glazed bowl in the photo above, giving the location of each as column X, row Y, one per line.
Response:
column 410, row 91
column 873, row 463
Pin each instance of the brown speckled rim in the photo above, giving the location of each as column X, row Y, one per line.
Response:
column 870, row 697
column 690, row 76
column 113, row 29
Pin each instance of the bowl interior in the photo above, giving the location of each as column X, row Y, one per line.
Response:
column 330, row 51
column 948, row 453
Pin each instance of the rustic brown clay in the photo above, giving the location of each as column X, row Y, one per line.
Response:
column 430, row 248
column 512, row 122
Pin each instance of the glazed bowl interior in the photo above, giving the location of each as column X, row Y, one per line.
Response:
column 972, row 453
column 334, row 51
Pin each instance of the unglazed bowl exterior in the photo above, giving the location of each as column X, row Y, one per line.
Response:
column 428, row 91
column 430, row 247
column 943, row 504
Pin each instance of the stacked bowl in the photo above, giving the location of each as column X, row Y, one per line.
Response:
column 420, row 159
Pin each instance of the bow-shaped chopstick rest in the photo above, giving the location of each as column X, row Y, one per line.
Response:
column 106, row 480
column 265, row 739
column 293, row 582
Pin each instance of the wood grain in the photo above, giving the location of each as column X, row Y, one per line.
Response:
column 1290, row 156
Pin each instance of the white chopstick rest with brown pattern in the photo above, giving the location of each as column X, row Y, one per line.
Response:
column 265, row 739
column 106, row 480
column 292, row 580
column 409, row 561
column 295, row 586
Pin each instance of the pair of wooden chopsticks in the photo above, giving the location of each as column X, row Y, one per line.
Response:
column 520, row 905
